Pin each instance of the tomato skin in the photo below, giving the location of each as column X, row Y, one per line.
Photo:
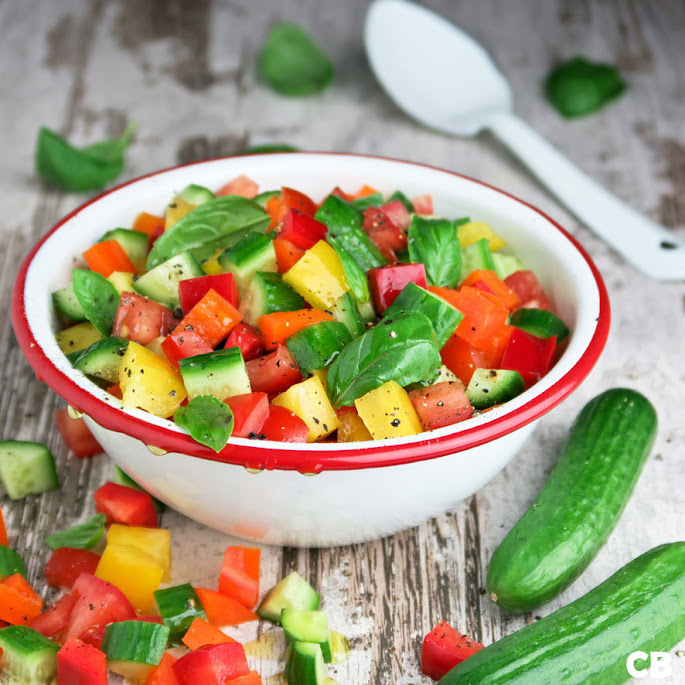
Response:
column 397, row 213
column 283, row 425
column 192, row 290
column 76, row 435
column 55, row 618
column 527, row 286
column 274, row 372
column 302, row 230
column 387, row 282
column 212, row 665
column 442, row 404
column 141, row 319
column 250, row 411
column 294, row 199
column 66, row 564
column 122, row 504
column 384, row 233
column 423, row 204
column 184, row 344
column 248, row 339
column 239, row 577
column 241, row 185
column 529, row 355
column 444, row 648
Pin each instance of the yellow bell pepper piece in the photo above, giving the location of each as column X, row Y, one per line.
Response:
column 150, row 382
column 474, row 231
column 322, row 375
column 387, row 412
column 175, row 211
column 156, row 346
column 122, row 281
column 77, row 337
column 153, row 541
column 211, row 266
column 310, row 402
column 318, row 276
column 352, row 428
column 134, row 572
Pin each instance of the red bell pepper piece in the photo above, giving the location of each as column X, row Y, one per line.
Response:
column 387, row 282
column 222, row 610
column 212, row 665
column 444, row 648
column 248, row 339
column 250, row 411
column 529, row 355
column 527, row 286
column 79, row 663
column 287, row 254
column 55, row 618
column 76, row 434
column 442, row 404
column 274, row 372
column 184, row 344
column 141, row 319
column 122, row 504
column 107, row 257
column 302, row 230
column 241, row 185
column 294, row 199
column 213, row 317
column 66, row 564
column 239, row 577
column 192, row 290
column 283, row 425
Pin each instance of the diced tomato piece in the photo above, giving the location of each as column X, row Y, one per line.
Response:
column 339, row 192
column 250, row 411
column 248, row 339
column 148, row 223
column 462, row 358
column 213, row 317
column 222, row 610
column 192, row 290
column 163, row 674
column 484, row 316
column 302, row 230
column 203, row 633
column 106, row 257
column 385, row 235
column 274, row 372
column 252, row 679
column 76, row 434
column 495, row 285
column 442, row 404
column 279, row 326
column 66, row 564
column 387, row 282
column 240, row 185
column 423, row 204
column 141, row 319
column 55, row 618
column 444, row 648
column 212, row 665
column 97, row 604
column 239, row 577
column 527, row 286
column 287, row 254
column 294, row 199
column 121, row 504
column 81, row 664
column 19, row 602
column 276, row 209
column 283, row 425
column 397, row 213
column 184, row 344
column 529, row 355
column 3, row 531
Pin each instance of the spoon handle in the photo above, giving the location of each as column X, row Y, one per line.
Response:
column 645, row 244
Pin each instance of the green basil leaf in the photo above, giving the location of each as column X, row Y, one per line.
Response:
column 208, row 420
column 579, row 87
column 268, row 147
column 98, row 297
column 80, row 169
column 291, row 62
column 356, row 278
column 83, row 536
column 399, row 195
column 435, row 243
column 10, row 563
column 402, row 348
column 215, row 224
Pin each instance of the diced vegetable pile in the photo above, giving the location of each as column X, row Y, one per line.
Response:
column 269, row 316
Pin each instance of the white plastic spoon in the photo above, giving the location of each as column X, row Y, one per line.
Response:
column 444, row 79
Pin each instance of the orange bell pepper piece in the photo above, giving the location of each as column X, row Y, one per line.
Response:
column 498, row 287
column 276, row 327
column 18, row 601
column 484, row 316
column 163, row 674
column 107, row 257
column 287, row 254
column 222, row 610
column 447, row 294
column 252, row 678
column 148, row 223
column 213, row 317
column 364, row 191
column 276, row 209
column 202, row 633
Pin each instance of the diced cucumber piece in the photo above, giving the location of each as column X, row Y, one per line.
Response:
column 120, row 477
column 315, row 347
column 373, row 200
column 264, row 197
column 179, row 606
column 26, row 468
column 399, row 195
column 506, row 264
column 476, row 256
column 196, row 195
column 346, row 311
column 539, row 322
column 303, row 625
column 367, row 311
column 444, row 317
column 446, row 376
column 101, row 359
column 220, row 374
column 134, row 648
column 304, row 664
column 339, row 215
column 161, row 283
column 28, row 657
column 77, row 337
column 133, row 243
column 268, row 293
column 489, row 387
column 10, row 563
column 340, row 648
column 255, row 252
column 65, row 302
column 293, row 592
column 355, row 243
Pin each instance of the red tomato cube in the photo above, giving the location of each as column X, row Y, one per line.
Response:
column 283, row 425
column 122, row 504
column 212, row 665
column 250, row 411
column 55, row 618
column 302, row 230
column 248, row 339
column 441, row 404
column 79, row 663
column 529, row 355
column 76, row 434
column 444, row 648
column 142, row 320
column 387, row 282
column 274, row 372
column 66, row 564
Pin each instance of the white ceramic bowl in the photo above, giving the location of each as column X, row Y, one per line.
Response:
column 268, row 491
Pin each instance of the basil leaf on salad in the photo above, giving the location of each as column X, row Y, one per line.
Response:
column 579, row 87
column 356, row 278
column 402, row 348
column 80, row 169
column 435, row 243
column 208, row 420
column 218, row 223
column 98, row 297
column 82, row 536
column 292, row 63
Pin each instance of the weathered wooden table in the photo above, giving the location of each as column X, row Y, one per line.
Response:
column 185, row 73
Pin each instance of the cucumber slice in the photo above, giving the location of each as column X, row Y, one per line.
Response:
column 134, row 648
column 367, row 311
column 179, row 606
column 489, row 387
column 304, row 664
column 340, row 648
column 346, row 311
column 339, row 215
column 302, row 625
column 268, row 293
column 355, row 243
column 539, row 322
column 10, row 563
column 101, row 359
column 120, row 477
column 315, row 347
column 196, row 195
column 161, row 283
column 65, row 302
column 26, row 468
column 220, row 374
column 28, row 657
column 506, row 264
column 133, row 243
column 255, row 252
column 476, row 256
column 293, row 592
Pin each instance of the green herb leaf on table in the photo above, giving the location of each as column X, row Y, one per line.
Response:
column 356, row 278
column 10, row 563
column 292, row 63
column 98, row 297
column 402, row 348
column 208, row 420
column 82, row 536
column 268, row 147
column 435, row 243
column 580, row 87
column 80, row 169
column 221, row 222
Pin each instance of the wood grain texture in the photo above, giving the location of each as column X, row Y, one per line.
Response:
column 185, row 73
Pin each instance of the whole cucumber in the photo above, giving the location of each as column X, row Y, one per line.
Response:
column 587, row 642
column 579, row 506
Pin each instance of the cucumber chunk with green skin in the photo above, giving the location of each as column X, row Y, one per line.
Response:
column 339, row 215
column 134, row 648
column 196, row 195
column 346, row 311
column 303, row 625
column 255, row 252
column 81, row 536
column 65, row 302
column 340, row 648
column 539, row 322
column 267, row 294
column 489, row 387
column 101, row 359
column 120, row 477
column 179, row 606
column 641, row 607
column 10, row 563
column 357, row 245
column 304, row 664
column 28, row 657
column 373, row 200
column 221, row 374
column 579, row 506
column 506, row 264
column 26, row 468
column 161, row 282
column 475, row 257
column 133, row 243
column 293, row 592
column 367, row 311
column 315, row 347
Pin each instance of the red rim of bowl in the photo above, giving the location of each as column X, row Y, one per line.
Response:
column 269, row 455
